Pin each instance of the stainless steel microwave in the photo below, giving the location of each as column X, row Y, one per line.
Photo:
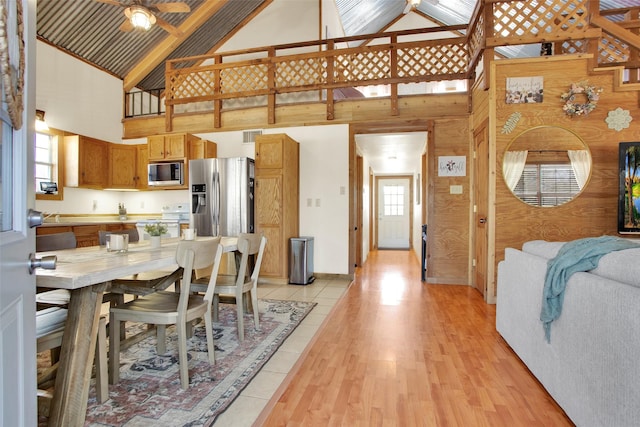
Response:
column 166, row 174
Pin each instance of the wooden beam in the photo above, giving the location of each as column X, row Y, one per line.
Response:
column 171, row 42
column 617, row 31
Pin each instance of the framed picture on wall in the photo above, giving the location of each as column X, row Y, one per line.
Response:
column 629, row 188
column 525, row 90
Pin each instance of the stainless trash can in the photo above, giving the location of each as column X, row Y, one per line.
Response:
column 301, row 260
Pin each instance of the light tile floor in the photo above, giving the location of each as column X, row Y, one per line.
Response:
column 325, row 292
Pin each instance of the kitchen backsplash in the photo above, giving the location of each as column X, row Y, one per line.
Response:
column 92, row 202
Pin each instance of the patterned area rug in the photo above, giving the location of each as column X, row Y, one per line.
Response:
column 149, row 392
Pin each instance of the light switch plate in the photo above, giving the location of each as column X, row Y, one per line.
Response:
column 455, row 189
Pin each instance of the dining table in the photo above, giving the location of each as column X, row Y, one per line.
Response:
column 86, row 273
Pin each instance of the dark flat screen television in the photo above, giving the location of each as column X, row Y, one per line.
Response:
column 629, row 188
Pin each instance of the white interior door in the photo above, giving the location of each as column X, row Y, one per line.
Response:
column 17, row 241
column 393, row 213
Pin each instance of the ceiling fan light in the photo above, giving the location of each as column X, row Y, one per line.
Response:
column 140, row 17
column 415, row 3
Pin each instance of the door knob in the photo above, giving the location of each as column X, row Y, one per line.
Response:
column 483, row 220
column 47, row 262
column 34, row 218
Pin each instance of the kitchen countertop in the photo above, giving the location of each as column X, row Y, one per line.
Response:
column 93, row 219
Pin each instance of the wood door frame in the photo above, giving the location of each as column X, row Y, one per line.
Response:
column 359, row 209
column 481, row 133
column 377, row 205
column 419, row 125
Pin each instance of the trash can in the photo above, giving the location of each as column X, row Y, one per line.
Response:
column 423, row 262
column 301, row 260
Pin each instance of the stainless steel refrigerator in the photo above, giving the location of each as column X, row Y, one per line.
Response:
column 222, row 196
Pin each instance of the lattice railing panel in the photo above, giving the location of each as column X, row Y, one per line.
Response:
column 301, row 72
column 432, row 60
column 477, row 36
column 570, row 47
column 190, row 85
column 244, row 79
column 612, row 50
column 527, row 18
column 363, row 66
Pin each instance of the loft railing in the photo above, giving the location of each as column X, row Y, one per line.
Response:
column 144, row 103
column 320, row 71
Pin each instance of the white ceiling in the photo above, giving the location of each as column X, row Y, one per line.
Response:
column 393, row 154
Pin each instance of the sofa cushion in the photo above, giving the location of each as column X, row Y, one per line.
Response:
column 621, row 266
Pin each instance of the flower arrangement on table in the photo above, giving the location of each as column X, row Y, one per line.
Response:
column 156, row 229
column 573, row 108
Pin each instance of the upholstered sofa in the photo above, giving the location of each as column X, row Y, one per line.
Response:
column 591, row 365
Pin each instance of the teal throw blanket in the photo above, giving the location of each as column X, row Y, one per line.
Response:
column 574, row 256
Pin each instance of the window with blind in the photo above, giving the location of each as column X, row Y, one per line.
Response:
column 47, row 167
column 547, row 184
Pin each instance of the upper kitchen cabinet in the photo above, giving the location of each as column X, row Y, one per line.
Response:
column 128, row 166
column 86, row 162
column 202, row 149
column 169, row 147
column 276, row 199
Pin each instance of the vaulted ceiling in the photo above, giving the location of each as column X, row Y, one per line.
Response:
column 90, row 29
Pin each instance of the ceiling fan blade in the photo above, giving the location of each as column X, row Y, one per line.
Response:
column 176, row 7
column 407, row 8
column 126, row 26
column 168, row 27
column 111, row 2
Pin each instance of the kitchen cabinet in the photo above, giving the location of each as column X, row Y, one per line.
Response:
column 86, row 234
column 202, row 149
column 169, row 147
column 276, row 199
column 142, row 160
column 128, row 166
column 86, row 162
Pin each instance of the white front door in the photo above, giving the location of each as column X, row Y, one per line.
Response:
column 17, row 241
column 393, row 213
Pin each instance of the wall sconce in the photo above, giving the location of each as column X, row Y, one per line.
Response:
column 140, row 17
column 41, row 125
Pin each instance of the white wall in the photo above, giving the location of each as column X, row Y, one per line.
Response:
column 77, row 97
column 282, row 22
column 324, row 183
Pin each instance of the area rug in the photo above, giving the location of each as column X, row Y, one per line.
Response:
column 149, row 392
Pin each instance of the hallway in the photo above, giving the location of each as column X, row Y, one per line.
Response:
column 397, row 352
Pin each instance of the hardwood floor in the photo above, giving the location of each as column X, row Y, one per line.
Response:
column 398, row 352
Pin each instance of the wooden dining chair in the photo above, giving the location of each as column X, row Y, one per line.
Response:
column 164, row 308
column 55, row 241
column 139, row 284
column 49, row 331
column 244, row 282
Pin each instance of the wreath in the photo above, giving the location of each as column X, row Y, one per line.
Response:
column 12, row 79
column 573, row 108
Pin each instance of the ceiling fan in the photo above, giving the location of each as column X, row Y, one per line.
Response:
column 412, row 4
column 142, row 14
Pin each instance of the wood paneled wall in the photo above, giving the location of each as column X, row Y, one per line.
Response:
column 448, row 218
column 594, row 211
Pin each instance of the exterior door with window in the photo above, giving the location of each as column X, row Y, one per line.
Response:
column 393, row 213
column 17, row 240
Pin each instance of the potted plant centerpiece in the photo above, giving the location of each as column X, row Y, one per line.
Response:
column 155, row 231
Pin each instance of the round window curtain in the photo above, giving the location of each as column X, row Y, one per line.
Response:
column 512, row 167
column 581, row 165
